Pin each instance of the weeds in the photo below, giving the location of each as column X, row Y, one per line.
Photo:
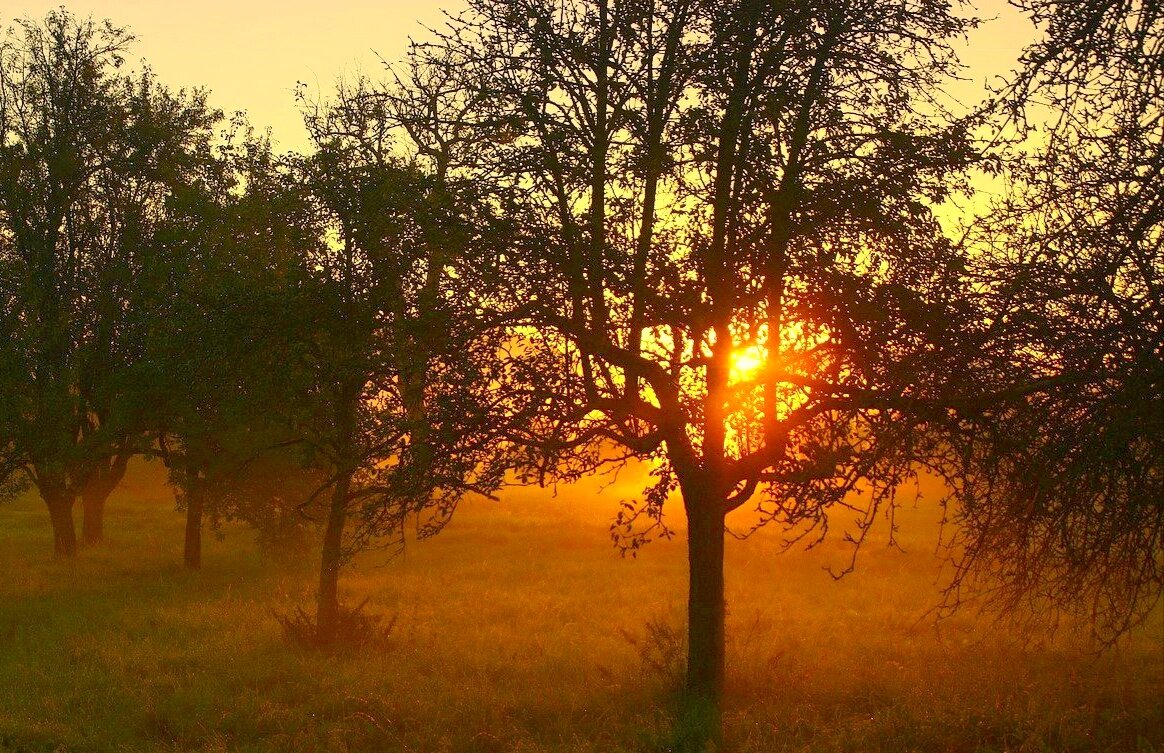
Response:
column 662, row 651
column 507, row 641
column 355, row 628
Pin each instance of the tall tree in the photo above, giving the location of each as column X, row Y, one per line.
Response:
column 88, row 156
column 741, row 278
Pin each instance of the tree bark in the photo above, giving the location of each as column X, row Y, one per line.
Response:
column 706, row 610
column 192, row 553
column 93, row 516
column 96, row 491
column 60, row 506
column 327, row 610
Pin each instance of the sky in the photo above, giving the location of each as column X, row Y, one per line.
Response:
column 251, row 53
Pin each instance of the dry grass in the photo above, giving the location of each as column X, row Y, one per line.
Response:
column 520, row 629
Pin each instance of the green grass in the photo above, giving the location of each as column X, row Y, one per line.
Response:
column 520, row 629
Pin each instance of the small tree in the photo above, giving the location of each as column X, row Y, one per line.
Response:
column 400, row 416
column 212, row 303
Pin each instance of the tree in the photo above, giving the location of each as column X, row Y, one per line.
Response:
column 1065, row 515
column 400, row 416
column 741, row 277
column 211, row 300
column 88, row 156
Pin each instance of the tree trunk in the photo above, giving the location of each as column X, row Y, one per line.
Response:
column 60, row 506
column 700, row 721
column 96, row 491
column 93, row 517
column 192, row 554
column 327, row 612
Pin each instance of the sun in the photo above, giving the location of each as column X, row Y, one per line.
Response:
column 746, row 362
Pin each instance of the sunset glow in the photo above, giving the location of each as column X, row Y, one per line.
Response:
column 579, row 376
column 747, row 362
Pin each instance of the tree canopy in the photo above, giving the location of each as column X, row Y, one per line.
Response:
column 562, row 235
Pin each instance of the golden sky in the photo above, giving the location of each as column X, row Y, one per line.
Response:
column 251, row 53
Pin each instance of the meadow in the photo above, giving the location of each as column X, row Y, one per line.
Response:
column 520, row 628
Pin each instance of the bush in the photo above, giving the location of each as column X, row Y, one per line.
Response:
column 355, row 628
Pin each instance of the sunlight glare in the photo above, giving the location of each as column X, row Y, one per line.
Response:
column 747, row 362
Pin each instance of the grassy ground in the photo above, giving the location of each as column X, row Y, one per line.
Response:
column 520, row 629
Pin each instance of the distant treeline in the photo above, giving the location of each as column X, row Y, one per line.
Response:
column 562, row 234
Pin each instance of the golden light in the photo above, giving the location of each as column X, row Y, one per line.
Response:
column 746, row 362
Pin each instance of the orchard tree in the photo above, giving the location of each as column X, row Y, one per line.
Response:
column 1065, row 514
column 213, row 302
column 401, row 415
column 740, row 275
column 89, row 156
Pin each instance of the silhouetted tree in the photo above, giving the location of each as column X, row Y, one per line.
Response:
column 89, row 156
column 212, row 309
column 1065, row 512
column 743, row 281
column 400, row 415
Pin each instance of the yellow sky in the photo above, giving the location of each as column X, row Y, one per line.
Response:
column 251, row 53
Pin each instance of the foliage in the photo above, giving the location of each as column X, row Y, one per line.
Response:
column 752, row 186
column 1063, row 512
column 90, row 158
column 215, row 290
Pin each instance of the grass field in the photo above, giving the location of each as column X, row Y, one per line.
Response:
column 520, row 629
